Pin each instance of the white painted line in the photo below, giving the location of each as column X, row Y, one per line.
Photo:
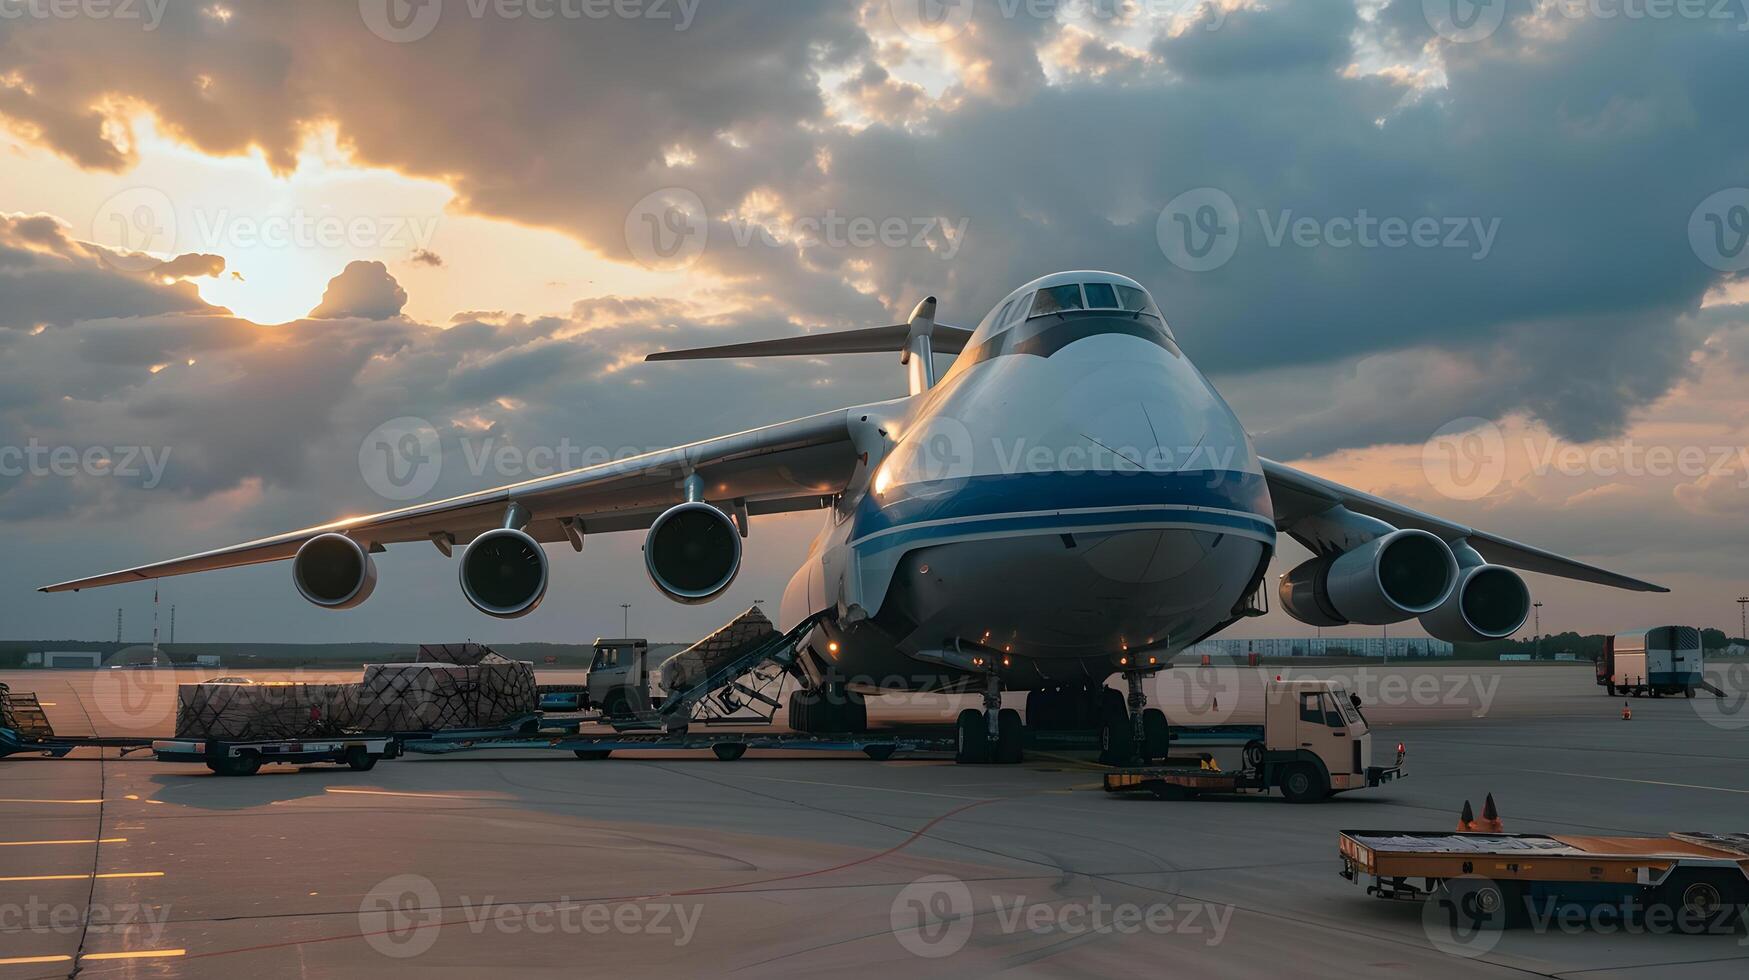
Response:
column 1643, row 782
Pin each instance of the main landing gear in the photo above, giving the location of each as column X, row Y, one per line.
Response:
column 994, row 734
column 1129, row 730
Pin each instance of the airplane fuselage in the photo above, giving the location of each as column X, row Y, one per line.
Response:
column 1072, row 494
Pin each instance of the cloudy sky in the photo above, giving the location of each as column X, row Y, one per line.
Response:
column 238, row 237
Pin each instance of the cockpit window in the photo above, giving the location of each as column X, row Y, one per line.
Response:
column 1135, row 301
column 1016, row 311
column 1100, row 296
column 1056, row 299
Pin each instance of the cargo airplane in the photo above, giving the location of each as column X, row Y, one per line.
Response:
column 1070, row 501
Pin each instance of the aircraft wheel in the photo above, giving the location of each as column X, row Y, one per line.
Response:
column 1156, row 735
column 1011, row 740
column 1117, row 741
column 971, row 738
column 1042, row 710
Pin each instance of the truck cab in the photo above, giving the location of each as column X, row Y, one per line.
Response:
column 1316, row 739
column 619, row 676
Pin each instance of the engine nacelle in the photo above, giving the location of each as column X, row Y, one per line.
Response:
column 504, row 573
column 334, row 572
column 1393, row 577
column 1489, row 603
column 693, row 552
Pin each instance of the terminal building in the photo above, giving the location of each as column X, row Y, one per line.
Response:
column 1333, row 646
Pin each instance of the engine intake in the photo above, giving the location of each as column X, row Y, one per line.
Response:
column 1393, row 577
column 693, row 552
column 334, row 572
column 504, row 573
column 1489, row 603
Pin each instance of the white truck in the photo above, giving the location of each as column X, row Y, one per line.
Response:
column 1313, row 742
column 1656, row 661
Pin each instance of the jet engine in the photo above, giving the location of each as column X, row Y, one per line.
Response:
column 334, row 572
column 693, row 552
column 1489, row 603
column 1393, row 577
column 504, row 573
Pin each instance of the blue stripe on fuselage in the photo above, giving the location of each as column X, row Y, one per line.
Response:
column 1008, row 495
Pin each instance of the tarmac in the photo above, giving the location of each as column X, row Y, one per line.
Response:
column 678, row 865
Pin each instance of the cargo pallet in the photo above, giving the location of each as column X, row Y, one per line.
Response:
column 1694, row 881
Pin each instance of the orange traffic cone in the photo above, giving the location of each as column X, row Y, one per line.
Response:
column 1491, row 817
column 1466, row 819
column 1627, row 713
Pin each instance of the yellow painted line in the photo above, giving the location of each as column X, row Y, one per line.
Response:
column 39, row 843
column 51, row 801
column 136, row 954
column 111, row 874
column 20, row 960
column 417, row 796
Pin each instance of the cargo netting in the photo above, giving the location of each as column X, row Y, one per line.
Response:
column 718, row 650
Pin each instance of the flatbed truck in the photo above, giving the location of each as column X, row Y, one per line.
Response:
column 1691, row 880
column 1314, row 742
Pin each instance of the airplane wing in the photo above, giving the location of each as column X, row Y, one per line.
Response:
column 1298, row 494
column 790, row 466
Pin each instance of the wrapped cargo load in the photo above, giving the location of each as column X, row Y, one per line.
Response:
column 725, row 646
column 429, row 697
column 6, row 719
column 462, row 654
column 255, row 712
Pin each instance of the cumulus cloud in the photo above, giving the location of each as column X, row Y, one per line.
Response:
column 49, row 278
column 365, row 290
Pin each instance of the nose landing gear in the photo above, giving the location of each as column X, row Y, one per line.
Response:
column 1130, row 730
column 995, row 734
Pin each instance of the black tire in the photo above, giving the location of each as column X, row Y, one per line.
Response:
column 1156, row 735
column 1701, row 901
column 1254, row 750
column 617, row 704
column 592, row 754
column 1117, row 739
column 728, row 751
column 852, row 712
column 1303, row 782
column 1484, row 904
column 971, row 738
column 801, row 710
column 1011, row 737
column 879, row 753
column 1688, row 692
column 1041, row 710
column 359, row 759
